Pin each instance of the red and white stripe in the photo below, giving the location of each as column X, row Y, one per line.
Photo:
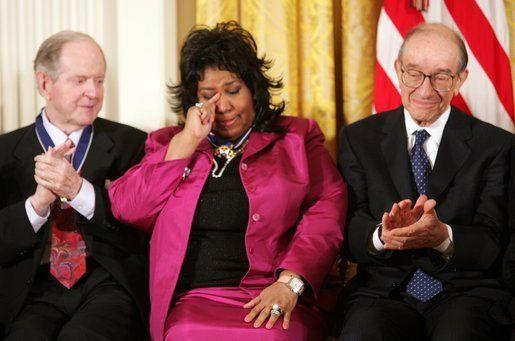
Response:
column 488, row 91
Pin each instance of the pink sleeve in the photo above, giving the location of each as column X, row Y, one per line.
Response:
column 138, row 197
column 319, row 234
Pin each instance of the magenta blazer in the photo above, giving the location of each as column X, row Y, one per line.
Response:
column 297, row 203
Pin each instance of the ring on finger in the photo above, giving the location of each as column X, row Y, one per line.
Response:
column 199, row 104
column 276, row 310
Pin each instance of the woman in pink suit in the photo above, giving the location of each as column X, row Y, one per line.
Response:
column 245, row 207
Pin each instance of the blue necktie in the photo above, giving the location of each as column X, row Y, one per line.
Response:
column 420, row 165
column 422, row 286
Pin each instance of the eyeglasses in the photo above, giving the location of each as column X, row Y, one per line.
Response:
column 439, row 81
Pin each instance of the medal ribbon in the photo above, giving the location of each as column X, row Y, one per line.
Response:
column 81, row 149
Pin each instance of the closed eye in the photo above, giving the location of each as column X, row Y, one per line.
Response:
column 233, row 92
column 206, row 97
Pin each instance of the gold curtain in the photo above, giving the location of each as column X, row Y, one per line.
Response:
column 324, row 50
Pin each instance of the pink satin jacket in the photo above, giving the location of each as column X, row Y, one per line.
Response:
column 297, row 203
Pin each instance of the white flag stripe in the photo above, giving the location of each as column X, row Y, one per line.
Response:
column 495, row 12
column 483, row 100
column 389, row 41
column 437, row 14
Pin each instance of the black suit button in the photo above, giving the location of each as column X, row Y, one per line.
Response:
column 395, row 284
column 29, row 282
column 22, row 253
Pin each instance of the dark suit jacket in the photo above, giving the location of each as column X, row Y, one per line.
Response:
column 509, row 260
column 121, row 250
column 509, row 257
column 468, row 181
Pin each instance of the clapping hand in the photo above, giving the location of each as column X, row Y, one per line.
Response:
column 56, row 174
column 406, row 227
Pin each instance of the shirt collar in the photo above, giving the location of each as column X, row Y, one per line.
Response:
column 57, row 135
column 435, row 129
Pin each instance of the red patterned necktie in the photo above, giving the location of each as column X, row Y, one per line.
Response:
column 67, row 250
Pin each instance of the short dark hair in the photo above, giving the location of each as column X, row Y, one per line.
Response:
column 227, row 46
column 428, row 27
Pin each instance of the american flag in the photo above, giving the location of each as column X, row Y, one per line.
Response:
column 488, row 91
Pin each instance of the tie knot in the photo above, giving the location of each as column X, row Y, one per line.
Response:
column 421, row 136
column 69, row 157
column 70, row 142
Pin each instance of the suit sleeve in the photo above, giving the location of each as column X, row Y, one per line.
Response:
column 17, row 236
column 138, row 197
column 509, row 257
column 479, row 245
column 360, row 222
column 318, row 236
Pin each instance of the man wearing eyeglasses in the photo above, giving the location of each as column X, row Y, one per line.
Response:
column 427, row 215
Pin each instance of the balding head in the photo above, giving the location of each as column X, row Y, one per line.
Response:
column 443, row 32
column 48, row 57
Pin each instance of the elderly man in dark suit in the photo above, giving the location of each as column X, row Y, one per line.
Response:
column 428, row 193
column 68, row 270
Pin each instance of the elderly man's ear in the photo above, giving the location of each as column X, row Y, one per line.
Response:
column 462, row 77
column 397, row 66
column 44, row 84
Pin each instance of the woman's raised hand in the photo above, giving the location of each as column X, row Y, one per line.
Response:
column 199, row 121
column 200, row 118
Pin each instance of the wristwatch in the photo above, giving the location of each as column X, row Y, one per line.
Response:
column 296, row 285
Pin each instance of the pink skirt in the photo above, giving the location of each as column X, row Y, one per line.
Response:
column 218, row 313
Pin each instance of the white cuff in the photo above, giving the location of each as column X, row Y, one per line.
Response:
column 446, row 247
column 84, row 201
column 35, row 219
column 376, row 245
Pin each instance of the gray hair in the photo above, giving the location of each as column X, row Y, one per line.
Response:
column 49, row 54
column 434, row 27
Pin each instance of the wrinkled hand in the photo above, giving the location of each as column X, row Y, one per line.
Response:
column 402, row 214
column 41, row 200
column 199, row 121
column 277, row 293
column 55, row 173
column 427, row 232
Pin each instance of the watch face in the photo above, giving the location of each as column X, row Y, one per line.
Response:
column 296, row 285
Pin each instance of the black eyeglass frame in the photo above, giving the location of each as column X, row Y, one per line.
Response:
column 431, row 79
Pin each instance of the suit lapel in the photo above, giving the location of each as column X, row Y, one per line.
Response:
column 29, row 145
column 452, row 152
column 394, row 146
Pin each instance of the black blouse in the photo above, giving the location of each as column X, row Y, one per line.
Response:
column 216, row 253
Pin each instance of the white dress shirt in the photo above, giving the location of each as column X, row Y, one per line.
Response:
column 84, row 202
column 430, row 146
